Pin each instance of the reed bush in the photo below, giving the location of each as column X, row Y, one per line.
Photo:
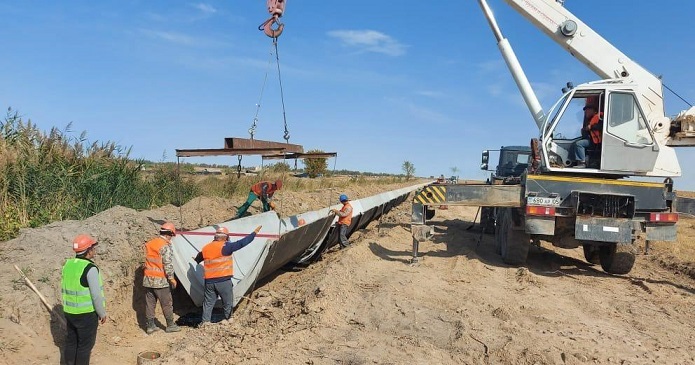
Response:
column 53, row 176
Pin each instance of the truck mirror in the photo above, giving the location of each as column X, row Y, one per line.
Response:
column 485, row 159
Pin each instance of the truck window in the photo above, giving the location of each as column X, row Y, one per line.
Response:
column 571, row 121
column 625, row 119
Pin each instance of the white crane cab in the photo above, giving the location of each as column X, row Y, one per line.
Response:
column 620, row 142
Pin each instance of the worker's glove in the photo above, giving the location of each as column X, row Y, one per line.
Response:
column 172, row 282
column 272, row 205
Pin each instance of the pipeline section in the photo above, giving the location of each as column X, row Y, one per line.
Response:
column 297, row 239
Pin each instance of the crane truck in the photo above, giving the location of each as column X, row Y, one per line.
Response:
column 597, row 207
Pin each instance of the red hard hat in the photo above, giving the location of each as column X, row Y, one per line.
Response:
column 83, row 242
column 167, row 228
column 222, row 230
column 278, row 184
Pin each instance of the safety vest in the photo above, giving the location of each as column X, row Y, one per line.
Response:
column 154, row 267
column 347, row 219
column 258, row 189
column 76, row 298
column 216, row 265
column 595, row 134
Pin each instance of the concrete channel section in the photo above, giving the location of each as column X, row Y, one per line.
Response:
column 298, row 239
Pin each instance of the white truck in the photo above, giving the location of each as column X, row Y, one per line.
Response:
column 593, row 207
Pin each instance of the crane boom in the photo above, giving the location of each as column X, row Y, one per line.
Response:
column 590, row 48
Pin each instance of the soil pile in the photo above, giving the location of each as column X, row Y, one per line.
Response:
column 366, row 304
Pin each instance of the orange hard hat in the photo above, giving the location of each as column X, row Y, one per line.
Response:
column 591, row 102
column 222, row 230
column 83, row 242
column 278, row 184
column 168, row 228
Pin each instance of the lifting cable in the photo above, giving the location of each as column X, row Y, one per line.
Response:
column 286, row 136
column 252, row 130
column 676, row 94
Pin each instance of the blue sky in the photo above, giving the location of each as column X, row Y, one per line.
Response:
column 377, row 82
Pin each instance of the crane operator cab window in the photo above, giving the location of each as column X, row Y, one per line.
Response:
column 626, row 121
column 577, row 135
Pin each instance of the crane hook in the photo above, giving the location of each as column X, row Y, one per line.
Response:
column 268, row 27
column 276, row 8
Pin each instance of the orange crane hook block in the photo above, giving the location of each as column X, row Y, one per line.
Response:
column 276, row 8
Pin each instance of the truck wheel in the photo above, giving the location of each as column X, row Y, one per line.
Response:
column 591, row 254
column 487, row 219
column 513, row 244
column 429, row 213
column 617, row 258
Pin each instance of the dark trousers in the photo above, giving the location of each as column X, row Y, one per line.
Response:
column 164, row 296
column 343, row 235
column 82, row 334
column 224, row 289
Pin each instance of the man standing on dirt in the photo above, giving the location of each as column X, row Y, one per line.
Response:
column 219, row 269
column 84, row 304
column 344, row 220
column 158, row 277
column 264, row 191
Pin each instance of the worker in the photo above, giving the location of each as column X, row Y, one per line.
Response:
column 591, row 133
column 159, row 279
column 344, row 220
column 84, row 304
column 264, row 191
column 218, row 268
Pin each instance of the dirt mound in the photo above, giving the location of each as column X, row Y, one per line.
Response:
column 367, row 304
column 41, row 252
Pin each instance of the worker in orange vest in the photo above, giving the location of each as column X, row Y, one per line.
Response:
column 264, row 191
column 344, row 220
column 159, row 278
column 591, row 132
column 219, row 268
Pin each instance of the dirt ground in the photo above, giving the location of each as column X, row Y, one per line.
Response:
column 367, row 304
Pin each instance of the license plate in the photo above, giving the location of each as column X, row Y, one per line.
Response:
column 535, row 200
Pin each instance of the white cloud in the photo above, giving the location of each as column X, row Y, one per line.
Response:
column 172, row 37
column 369, row 41
column 181, row 38
column 205, row 8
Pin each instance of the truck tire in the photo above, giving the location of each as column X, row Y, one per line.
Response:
column 487, row 219
column 591, row 254
column 617, row 258
column 513, row 244
column 429, row 213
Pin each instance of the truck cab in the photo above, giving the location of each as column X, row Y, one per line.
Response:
column 512, row 162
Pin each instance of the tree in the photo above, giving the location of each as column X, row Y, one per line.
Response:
column 454, row 171
column 408, row 169
column 280, row 167
column 315, row 166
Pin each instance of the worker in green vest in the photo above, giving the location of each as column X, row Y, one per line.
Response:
column 84, row 304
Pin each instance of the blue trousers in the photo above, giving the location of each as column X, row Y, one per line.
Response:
column 578, row 149
column 342, row 234
column 224, row 289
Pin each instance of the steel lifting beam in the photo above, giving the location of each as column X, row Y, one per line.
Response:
column 226, row 151
column 240, row 143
